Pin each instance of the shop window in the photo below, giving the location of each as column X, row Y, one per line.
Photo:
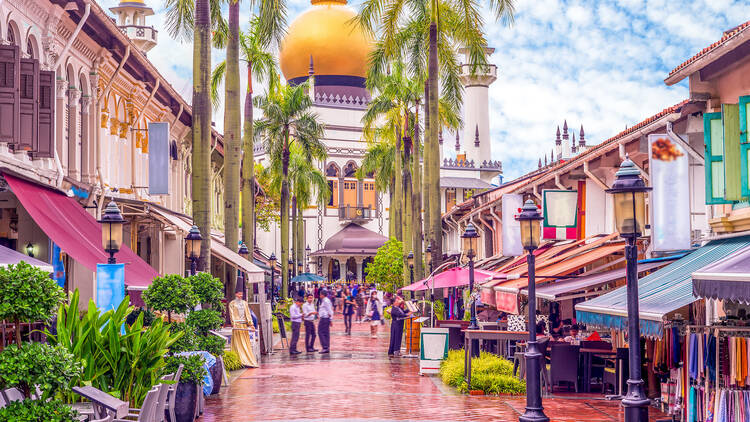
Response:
column 713, row 134
column 744, row 145
column 450, row 198
column 730, row 122
column 468, row 193
column 369, row 194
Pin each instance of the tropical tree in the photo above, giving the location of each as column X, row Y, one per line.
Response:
column 451, row 23
column 288, row 120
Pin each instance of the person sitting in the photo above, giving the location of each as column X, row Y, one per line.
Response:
column 573, row 337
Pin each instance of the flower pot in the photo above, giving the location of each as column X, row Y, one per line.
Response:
column 216, row 375
column 186, row 402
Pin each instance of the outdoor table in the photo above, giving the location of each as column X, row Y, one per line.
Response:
column 588, row 356
column 104, row 400
column 455, row 328
column 486, row 335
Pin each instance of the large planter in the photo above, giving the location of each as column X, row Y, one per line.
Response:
column 186, row 402
column 216, row 375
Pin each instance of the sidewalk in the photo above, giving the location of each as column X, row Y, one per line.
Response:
column 357, row 382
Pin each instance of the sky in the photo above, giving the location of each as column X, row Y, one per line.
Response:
column 596, row 63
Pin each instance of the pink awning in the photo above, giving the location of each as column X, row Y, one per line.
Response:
column 77, row 233
column 454, row 277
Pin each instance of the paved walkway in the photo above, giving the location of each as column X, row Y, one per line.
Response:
column 357, row 382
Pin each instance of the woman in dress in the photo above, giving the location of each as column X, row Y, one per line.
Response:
column 375, row 312
column 242, row 326
column 348, row 310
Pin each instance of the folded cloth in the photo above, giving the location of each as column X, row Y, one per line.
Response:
column 594, row 337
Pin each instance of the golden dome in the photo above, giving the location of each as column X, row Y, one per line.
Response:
column 325, row 32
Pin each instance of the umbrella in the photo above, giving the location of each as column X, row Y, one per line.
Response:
column 307, row 277
column 455, row 277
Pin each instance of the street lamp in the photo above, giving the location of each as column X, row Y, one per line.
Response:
column 469, row 238
column 112, row 223
column 243, row 252
column 30, row 249
column 428, row 253
column 272, row 263
column 410, row 261
column 193, row 246
column 629, row 192
column 307, row 258
column 530, row 220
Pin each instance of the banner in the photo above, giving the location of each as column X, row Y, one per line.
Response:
column 58, row 267
column 110, row 286
column 158, row 158
column 511, row 228
column 560, row 214
column 670, row 198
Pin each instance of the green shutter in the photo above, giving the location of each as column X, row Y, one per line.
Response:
column 713, row 135
column 730, row 117
column 745, row 144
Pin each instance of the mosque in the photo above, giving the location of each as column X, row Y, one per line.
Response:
column 343, row 235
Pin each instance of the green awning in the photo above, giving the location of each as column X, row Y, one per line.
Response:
column 659, row 293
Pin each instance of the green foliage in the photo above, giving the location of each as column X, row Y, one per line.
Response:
column 52, row 368
column 439, row 308
column 27, row 294
column 232, row 361
column 208, row 289
column 170, row 293
column 489, row 373
column 188, row 340
column 148, row 316
column 123, row 359
column 192, row 371
column 36, row 411
column 211, row 344
column 204, row 320
column 387, row 268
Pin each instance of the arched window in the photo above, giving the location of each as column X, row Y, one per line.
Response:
column 30, row 48
column 11, row 35
column 332, row 174
column 350, row 170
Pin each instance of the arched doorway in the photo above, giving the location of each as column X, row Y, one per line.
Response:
column 334, row 270
column 351, row 269
column 365, row 263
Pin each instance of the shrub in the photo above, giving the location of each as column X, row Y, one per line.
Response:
column 211, row 344
column 27, row 294
column 387, row 268
column 232, row 361
column 489, row 373
column 208, row 290
column 148, row 316
column 37, row 410
column 188, row 340
column 52, row 368
column 171, row 293
column 205, row 320
column 192, row 371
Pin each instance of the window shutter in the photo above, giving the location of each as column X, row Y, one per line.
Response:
column 745, row 145
column 731, row 123
column 713, row 135
column 29, row 94
column 9, row 93
column 44, row 148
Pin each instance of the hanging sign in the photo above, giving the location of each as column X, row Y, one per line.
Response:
column 560, row 214
column 511, row 233
column 158, row 158
column 669, row 199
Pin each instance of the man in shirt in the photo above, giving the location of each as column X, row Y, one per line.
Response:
column 325, row 312
column 295, row 314
column 308, row 313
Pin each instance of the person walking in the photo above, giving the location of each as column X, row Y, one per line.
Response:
column 359, row 299
column 348, row 311
column 325, row 312
column 398, row 315
column 375, row 312
column 295, row 314
column 308, row 314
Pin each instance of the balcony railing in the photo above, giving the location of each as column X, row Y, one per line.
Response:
column 356, row 213
column 137, row 32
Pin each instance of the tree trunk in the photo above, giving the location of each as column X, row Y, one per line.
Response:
column 18, row 333
column 300, row 238
column 416, row 203
column 201, row 159
column 398, row 194
column 232, row 141
column 427, row 169
column 407, row 214
column 248, row 169
column 293, row 229
column 285, row 216
column 436, row 225
column 392, row 218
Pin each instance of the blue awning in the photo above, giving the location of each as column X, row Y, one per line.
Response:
column 659, row 293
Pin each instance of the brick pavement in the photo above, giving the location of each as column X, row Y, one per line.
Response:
column 357, row 382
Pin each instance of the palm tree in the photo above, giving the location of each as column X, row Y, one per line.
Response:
column 261, row 65
column 288, row 120
column 232, row 121
column 456, row 23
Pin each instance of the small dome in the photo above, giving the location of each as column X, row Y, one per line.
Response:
column 327, row 33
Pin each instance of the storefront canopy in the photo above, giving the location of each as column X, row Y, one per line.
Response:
column 659, row 293
column 454, row 277
column 77, row 233
column 727, row 279
column 10, row 257
column 352, row 240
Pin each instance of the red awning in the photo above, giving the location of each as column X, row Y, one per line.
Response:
column 455, row 277
column 76, row 232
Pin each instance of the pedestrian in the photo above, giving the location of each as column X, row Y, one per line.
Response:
column 348, row 310
column 325, row 312
column 301, row 291
column 375, row 312
column 359, row 299
column 397, row 326
column 308, row 314
column 295, row 314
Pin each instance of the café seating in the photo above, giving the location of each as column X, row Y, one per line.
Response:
column 615, row 369
column 564, row 365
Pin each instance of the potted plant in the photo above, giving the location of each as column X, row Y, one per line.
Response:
column 209, row 292
column 186, row 397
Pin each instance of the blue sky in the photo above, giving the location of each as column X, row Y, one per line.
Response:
column 600, row 63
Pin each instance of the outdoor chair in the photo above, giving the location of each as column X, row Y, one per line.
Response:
column 161, row 401
column 147, row 411
column 564, row 365
column 172, row 392
column 615, row 369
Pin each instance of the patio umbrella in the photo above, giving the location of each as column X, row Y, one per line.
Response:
column 304, row 277
column 455, row 277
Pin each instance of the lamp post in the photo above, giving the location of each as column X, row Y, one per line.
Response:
column 410, row 261
column 469, row 238
column 272, row 263
column 428, row 257
column 530, row 220
column 307, row 258
column 193, row 245
column 30, row 249
column 629, row 192
column 112, row 223
column 243, row 252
